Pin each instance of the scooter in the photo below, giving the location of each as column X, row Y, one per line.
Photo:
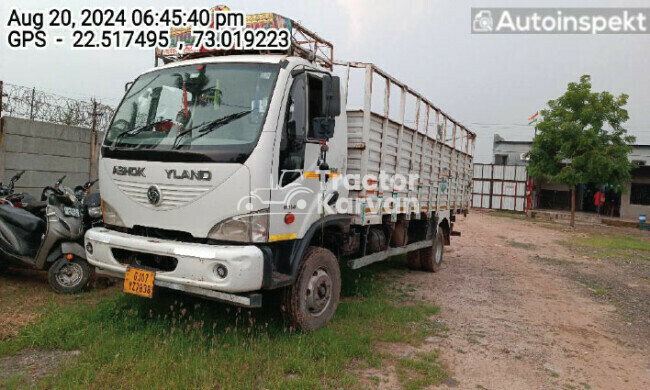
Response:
column 53, row 242
column 8, row 196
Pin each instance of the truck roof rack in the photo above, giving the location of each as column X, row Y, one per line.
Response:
column 405, row 90
column 304, row 42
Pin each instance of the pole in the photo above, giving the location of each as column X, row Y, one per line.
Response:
column 31, row 106
column 92, row 174
column 573, row 206
column 1, row 97
column 94, row 115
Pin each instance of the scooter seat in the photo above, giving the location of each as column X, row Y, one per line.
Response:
column 21, row 218
column 20, row 230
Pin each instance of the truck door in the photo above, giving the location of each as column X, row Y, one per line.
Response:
column 297, row 190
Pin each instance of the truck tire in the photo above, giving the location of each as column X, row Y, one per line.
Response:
column 311, row 301
column 413, row 260
column 69, row 276
column 431, row 257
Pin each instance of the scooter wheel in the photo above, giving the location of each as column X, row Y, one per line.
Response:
column 69, row 276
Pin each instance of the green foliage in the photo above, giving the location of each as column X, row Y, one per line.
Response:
column 581, row 138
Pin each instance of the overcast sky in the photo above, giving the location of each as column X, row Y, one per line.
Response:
column 490, row 83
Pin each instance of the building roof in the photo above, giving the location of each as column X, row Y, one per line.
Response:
column 640, row 152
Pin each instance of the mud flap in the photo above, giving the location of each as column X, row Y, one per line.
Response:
column 73, row 248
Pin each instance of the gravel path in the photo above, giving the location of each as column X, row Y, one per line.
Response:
column 517, row 320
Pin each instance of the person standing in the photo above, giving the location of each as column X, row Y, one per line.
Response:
column 599, row 200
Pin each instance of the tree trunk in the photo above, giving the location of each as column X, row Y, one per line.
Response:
column 573, row 206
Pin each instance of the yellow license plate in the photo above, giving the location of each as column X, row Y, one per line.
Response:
column 139, row 282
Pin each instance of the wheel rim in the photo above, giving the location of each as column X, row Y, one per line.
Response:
column 319, row 292
column 69, row 275
column 438, row 252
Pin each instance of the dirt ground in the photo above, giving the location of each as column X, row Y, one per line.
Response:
column 523, row 311
column 520, row 309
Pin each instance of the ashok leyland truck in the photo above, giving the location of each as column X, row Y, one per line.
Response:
column 227, row 174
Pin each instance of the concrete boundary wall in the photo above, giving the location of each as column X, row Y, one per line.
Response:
column 46, row 151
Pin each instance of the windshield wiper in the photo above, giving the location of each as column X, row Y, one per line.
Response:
column 208, row 127
column 137, row 130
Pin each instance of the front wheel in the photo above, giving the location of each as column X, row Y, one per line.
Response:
column 311, row 301
column 69, row 276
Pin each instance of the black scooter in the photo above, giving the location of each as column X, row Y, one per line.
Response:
column 49, row 238
column 8, row 196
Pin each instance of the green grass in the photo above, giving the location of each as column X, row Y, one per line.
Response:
column 16, row 382
column 421, row 372
column 611, row 245
column 176, row 341
column 509, row 214
column 617, row 242
column 601, row 292
column 522, row 245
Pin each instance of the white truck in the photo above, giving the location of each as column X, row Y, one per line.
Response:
column 224, row 175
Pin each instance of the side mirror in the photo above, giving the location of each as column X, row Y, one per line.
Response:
column 331, row 96
column 58, row 182
column 17, row 177
column 322, row 128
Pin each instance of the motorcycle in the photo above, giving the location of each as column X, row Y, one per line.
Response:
column 49, row 238
column 8, row 196
column 92, row 205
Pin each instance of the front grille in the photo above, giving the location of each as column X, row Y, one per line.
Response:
column 172, row 195
column 148, row 261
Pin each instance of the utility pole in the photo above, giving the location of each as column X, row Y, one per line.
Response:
column 93, row 142
column 94, row 115
column 31, row 106
column 2, row 94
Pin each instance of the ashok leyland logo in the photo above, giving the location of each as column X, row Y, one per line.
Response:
column 560, row 20
column 154, row 195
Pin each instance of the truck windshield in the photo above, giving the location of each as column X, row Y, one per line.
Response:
column 169, row 109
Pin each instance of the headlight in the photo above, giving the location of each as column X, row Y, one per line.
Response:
column 110, row 215
column 242, row 228
column 95, row 212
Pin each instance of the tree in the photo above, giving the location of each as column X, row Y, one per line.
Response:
column 581, row 139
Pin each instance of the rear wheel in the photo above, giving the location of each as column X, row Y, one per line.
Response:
column 311, row 301
column 431, row 257
column 69, row 276
column 413, row 260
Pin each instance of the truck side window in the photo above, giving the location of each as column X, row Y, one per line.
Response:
column 315, row 96
column 292, row 145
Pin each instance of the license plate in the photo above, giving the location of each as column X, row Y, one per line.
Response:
column 71, row 212
column 139, row 282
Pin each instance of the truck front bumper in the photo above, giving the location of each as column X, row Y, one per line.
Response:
column 196, row 268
